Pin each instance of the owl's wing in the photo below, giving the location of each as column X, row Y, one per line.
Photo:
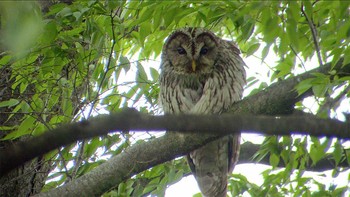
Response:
column 222, row 89
column 234, row 147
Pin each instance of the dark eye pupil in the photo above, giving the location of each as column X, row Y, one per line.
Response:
column 204, row 51
column 181, row 51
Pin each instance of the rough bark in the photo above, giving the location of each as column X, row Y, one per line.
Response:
column 132, row 120
column 30, row 177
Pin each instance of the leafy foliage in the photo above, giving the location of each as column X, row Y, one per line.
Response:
column 94, row 57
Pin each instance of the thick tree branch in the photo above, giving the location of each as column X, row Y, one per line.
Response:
column 135, row 159
column 132, row 120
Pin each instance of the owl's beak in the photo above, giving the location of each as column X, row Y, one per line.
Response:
column 193, row 65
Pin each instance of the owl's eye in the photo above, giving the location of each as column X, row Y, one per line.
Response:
column 181, row 51
column 204, row 51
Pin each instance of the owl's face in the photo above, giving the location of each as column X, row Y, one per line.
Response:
column 191, row 51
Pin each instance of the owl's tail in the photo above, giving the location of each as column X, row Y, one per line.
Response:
column 212, row 185
column 210, row 165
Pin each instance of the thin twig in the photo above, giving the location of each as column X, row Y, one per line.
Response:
column 332, row 103
column 108, row 65
column 78, row 160
column 296, row 55
column 314, row 35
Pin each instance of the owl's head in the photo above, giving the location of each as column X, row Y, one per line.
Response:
column 191, row 50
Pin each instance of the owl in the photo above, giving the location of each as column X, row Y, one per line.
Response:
column 203, row 74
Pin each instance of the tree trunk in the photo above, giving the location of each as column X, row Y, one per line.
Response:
column 29, row 178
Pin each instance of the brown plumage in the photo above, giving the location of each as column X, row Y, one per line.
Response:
column 203, row 74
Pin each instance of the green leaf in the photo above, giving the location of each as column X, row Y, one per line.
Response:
column 121, row 189
column 145, row 30
column 247, row 30
column 22, row 87
column 145, row 16
column 304, row 85
column 50, row 32
column 316, row 153
column 124, row 63
column 308, row 8
column 9, row 103
column 319, row 90
column 154, row 74
column 252, row 49
column 5, row 59
column 92, row 146
column 157, row 19
column 265, row 52
column 23, row 129
column 197, row 195
column 21, row 26
column 39, row 129
column 141, row 76
column 7, row 128
column 169, row 16
column 337, row 153
column 152, row 185
column 67, row 11
column 274, row 160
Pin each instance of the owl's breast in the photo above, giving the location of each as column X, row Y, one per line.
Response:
column 193, row 94
column 180, row 92
column 193, row 88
